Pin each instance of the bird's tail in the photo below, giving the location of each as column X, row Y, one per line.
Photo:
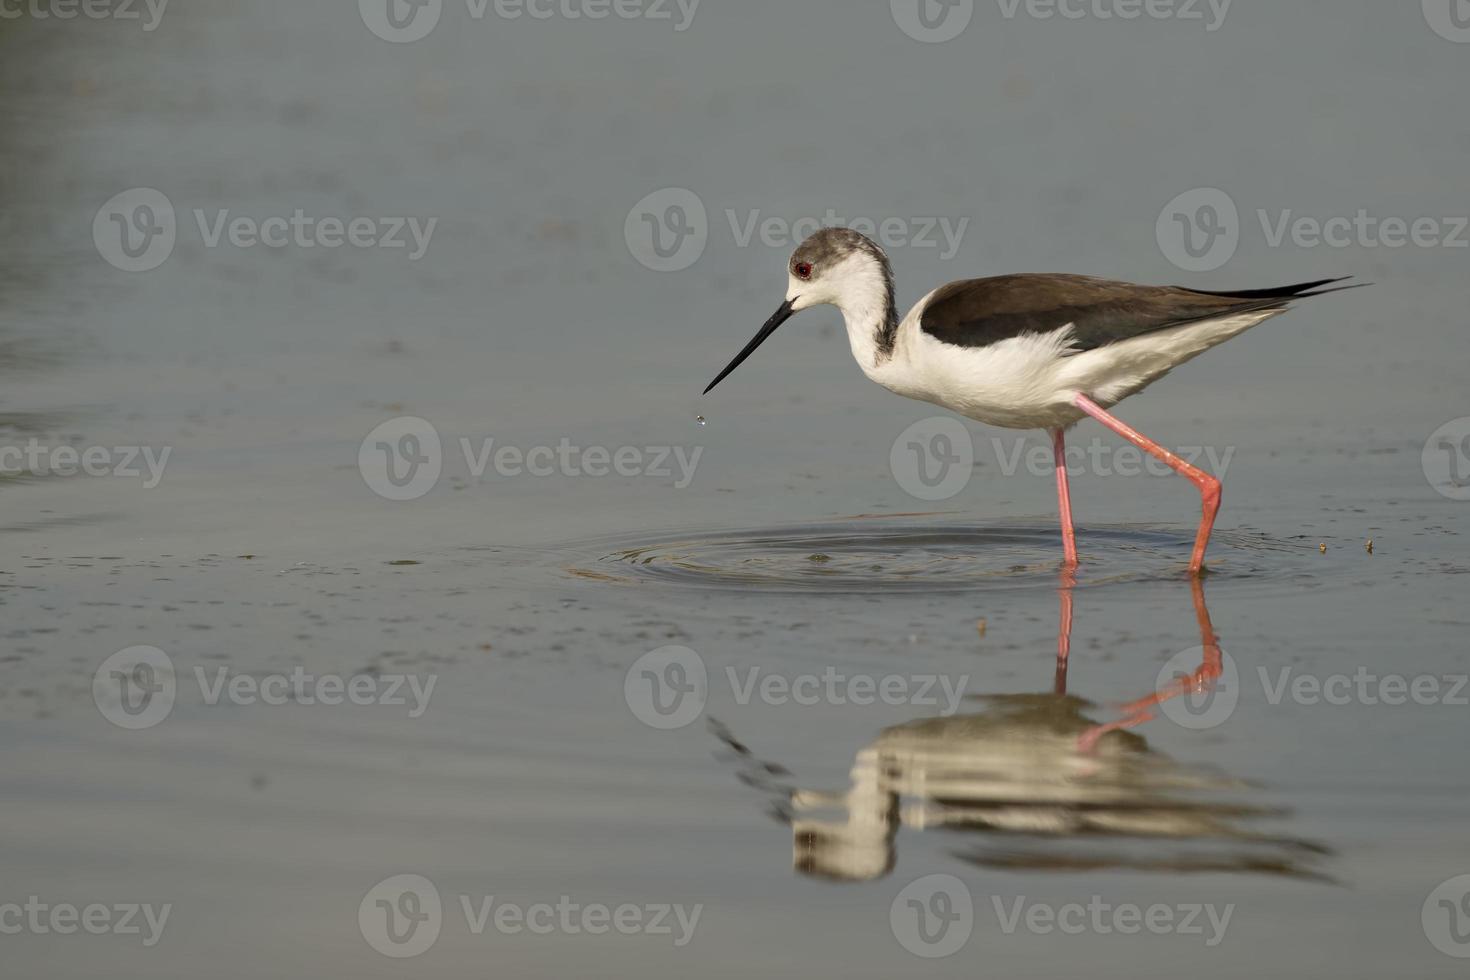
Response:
column 1302, row 290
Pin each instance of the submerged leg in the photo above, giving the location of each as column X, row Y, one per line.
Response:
column 1209, row 487
column 1200, row 681
column 1064, row 629
column 1212, row 666
column 1064, row 497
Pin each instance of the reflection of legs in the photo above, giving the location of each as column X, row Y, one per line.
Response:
column 1064, row 628
column 1199, row 682
column 1064, row 497
column 1209, row 487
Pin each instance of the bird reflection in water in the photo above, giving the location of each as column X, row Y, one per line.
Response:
column 1039, row 785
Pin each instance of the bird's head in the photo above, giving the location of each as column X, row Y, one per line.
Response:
column 836, row 267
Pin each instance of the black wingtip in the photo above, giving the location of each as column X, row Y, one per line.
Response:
column 1301, row 290
column 1337, row 289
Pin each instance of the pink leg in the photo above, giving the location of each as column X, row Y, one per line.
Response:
column 1209, row 487
column 1064, row 628
column 1064, row 497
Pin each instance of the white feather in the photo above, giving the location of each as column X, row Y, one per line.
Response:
column 1029, row 381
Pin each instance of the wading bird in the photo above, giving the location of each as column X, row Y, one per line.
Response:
column 1025, row 351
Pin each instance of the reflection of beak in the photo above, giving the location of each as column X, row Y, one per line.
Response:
column 779, row 317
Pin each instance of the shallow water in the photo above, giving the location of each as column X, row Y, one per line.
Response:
column 883, row 557
column 799, row 809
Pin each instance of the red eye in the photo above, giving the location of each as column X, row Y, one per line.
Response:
column 803, row 270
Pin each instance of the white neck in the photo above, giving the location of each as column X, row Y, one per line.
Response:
column 864, row 295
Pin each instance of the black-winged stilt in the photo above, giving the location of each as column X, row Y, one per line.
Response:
column 1025, row 351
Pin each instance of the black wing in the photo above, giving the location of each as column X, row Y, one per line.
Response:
column 981, row 312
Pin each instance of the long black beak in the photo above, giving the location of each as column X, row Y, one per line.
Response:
column 779, row 317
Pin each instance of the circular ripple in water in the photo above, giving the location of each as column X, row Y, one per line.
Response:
column 868, row 556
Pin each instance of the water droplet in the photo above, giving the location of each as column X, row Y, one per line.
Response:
column 699, row 419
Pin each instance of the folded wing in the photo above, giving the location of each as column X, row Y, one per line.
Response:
column 981, row 312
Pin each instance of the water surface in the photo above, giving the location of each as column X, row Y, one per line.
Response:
column 792, row 551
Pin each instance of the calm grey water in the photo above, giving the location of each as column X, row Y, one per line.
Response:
column 803, row 828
